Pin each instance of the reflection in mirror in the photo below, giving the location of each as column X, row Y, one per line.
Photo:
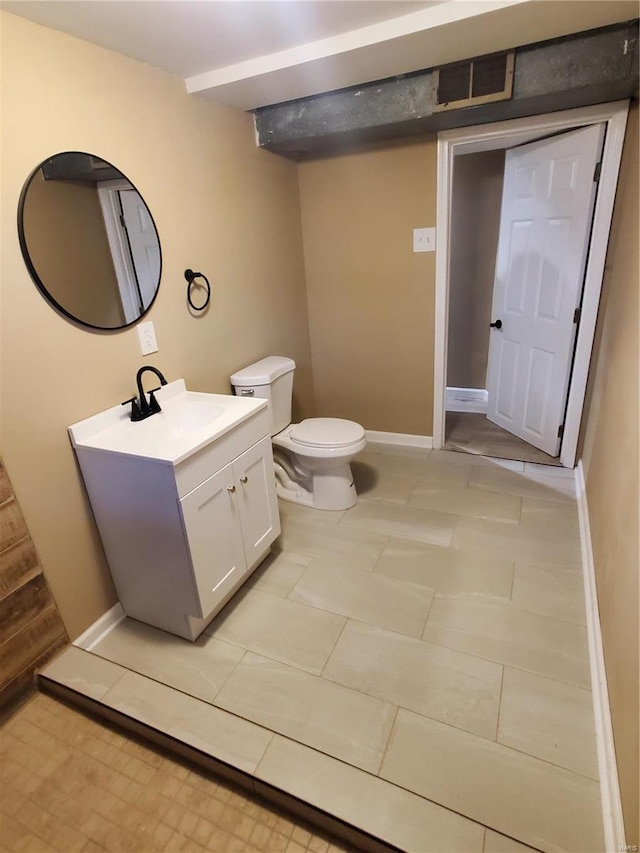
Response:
column 89, row 240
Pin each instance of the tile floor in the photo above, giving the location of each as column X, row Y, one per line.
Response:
column 416, row 666
column 472, row 432
column 69, row 783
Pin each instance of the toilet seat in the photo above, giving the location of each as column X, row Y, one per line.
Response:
column 326, row 432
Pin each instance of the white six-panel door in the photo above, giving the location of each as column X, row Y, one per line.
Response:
column 547, row 208
column 143, row 242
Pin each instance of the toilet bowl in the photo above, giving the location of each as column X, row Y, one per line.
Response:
column 311, row 458
column 320, row 451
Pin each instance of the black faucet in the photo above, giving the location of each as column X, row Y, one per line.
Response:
column 141, row 409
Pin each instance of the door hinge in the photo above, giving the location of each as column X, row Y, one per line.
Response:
column 597, row 170
column 122, row 222
column 576, row 315
column 560, row 430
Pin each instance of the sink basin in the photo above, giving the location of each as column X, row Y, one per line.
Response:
column 184, row 416
column 188, row 421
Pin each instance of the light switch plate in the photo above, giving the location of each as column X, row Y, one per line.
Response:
column 147, row 337
column 424, row 239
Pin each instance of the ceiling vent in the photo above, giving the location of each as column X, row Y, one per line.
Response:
column 476, row 81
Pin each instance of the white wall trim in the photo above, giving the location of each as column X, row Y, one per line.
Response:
column 466, row 400
column 100, row 628
column 399, row 439
column 612, row 817
column 466, row 140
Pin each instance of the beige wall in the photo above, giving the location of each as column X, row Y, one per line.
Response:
column 475, row 223
column 221, row 206
column 371, row 299
column 611, row 463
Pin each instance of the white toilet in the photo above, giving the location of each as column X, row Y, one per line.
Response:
column 311, row 458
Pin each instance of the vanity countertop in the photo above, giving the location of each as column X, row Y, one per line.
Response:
column 189, row 421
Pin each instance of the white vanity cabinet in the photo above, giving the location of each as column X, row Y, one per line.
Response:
column 185, row 511
column 229, row 519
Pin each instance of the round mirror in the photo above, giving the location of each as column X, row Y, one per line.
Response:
column 89, row 240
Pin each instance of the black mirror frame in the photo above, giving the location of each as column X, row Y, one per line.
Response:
column 32, row 270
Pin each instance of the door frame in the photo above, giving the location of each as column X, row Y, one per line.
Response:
column 108, row 195
column 468, row 140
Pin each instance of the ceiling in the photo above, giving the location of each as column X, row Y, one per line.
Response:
column 250, row 53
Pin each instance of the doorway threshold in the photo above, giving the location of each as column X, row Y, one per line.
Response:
column 474, row 433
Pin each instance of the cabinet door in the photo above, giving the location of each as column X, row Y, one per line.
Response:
column 257, row 502
column 212, row 527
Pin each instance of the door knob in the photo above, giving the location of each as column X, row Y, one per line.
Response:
column 496, row 325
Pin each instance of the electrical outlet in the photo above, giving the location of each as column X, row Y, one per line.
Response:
column 147, row 337
column 424, row 239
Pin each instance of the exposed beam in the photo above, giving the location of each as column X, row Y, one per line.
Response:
column 589, row 68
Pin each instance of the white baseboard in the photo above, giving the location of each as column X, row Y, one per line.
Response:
column 612, row 817
column 399, row 439
column 100, row 628
column 466, row 400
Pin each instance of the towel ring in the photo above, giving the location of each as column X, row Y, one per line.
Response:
column 191, row 277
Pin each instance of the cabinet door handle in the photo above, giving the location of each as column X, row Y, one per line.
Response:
column 244, row 479
column 231, row 488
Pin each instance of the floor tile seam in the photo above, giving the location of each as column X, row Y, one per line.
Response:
column 176, row 690
column 394, row 504
column 525, row 535
column 349, row 528
column 400, row 706
column 499, row 704
column 587, row 690
column 460, row 814
column 494, row 518
column 559, row 497
column 421, row 640
column 574, row 572
column 509, row 604
column 41, row 809
column 401, row 584
column 415, row 539
column 317, row 517
column 475, row 488
column 569, row 772
column 337, row 562
column 387, row 741
column 510, row 665
column 538, row 613
column 383, row 779
column 495, row 550
column 329, row 656
column 373, row 624
column 564, row 502
column 547, row 761
column 128, row 668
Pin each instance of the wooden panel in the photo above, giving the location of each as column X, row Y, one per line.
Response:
column 22, row 605
column 16, row 564
column 13, row 691
column 19, row 652
column 12, row 524
column 5, row 485
column 31, row 630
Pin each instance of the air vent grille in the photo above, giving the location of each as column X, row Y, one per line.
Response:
column 477, row 81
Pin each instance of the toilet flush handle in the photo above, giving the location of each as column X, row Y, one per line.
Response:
column 247, row 392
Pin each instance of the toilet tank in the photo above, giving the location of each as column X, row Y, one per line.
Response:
column 271, row 379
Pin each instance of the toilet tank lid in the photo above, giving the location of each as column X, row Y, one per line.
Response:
column 264, row 371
